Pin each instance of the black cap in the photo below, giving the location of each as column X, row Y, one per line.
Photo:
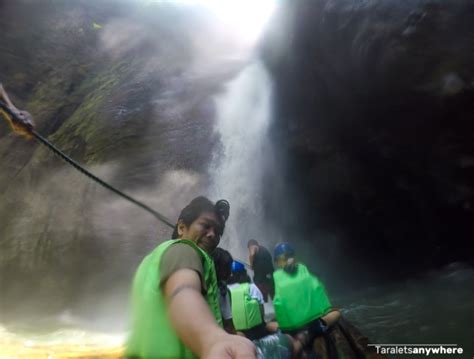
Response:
column 222, row 209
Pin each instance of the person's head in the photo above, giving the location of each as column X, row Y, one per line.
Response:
column 283, row 254
column 202, row 222
column 239, row 273
column 252, row 243
column 223, row 263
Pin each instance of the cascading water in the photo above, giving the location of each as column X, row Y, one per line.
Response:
column 169, row 77
column 243, row 119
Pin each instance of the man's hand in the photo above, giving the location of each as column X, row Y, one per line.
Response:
column 20, row 121
column 230, row 347
column 252, row 253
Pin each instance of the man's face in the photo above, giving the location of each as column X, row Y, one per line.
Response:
column 204, row 231
column 252, row 248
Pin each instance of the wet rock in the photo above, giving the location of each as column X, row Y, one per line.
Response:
column 119, row 100
column 378, row 97
column 452, row 84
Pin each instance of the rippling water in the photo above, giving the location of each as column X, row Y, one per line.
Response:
column 437, row 308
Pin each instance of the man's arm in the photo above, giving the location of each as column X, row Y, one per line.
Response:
column 252, row 253
column 4, row 97
column 194, row 322
column 22, row 122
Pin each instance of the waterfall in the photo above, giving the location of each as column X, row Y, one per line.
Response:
column 238, row 166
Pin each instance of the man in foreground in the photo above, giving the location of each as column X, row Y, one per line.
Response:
column 175, row 311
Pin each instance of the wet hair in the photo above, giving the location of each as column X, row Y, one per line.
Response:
column 252, row 242
column 201, row 205
column 239, row 277
column 222, row 260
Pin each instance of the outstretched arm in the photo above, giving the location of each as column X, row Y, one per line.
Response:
column 20, row 121
column 252, row 253
column 4, row 97
column 194, row 322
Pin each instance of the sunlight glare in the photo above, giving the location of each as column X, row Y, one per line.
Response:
column 246, row 17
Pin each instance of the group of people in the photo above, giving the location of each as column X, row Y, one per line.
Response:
column 191, row 299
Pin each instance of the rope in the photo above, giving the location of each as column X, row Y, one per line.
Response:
column 104, row 184
column 89, row 174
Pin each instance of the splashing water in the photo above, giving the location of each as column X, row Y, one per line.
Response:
column 436, row 307
column 243, row 118
column 64, row 343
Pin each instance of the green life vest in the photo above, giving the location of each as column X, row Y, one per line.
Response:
column 245, row 309
column 152, row 335
column 299, row 298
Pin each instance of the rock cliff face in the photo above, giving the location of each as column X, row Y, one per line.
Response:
column 374, row 105
column 373, row 121
column 123, row 89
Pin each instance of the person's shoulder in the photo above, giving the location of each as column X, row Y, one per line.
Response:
column 181, row 249
column 253, row 286
column 233, row 286
column 254, row 289
column 264, row 249
column 256, row 293
column 178, row 256
column 181, row 255
column 302, row 267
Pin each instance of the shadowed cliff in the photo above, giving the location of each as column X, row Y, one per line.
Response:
column 374, row 104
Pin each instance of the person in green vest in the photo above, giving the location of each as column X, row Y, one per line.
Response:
column 246, row 303
column 249, row 319
column 301, row 302
column 175, row 309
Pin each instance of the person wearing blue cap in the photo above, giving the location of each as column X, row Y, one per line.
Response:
column 248, row 318
column 247, row 303
column 301, row 302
